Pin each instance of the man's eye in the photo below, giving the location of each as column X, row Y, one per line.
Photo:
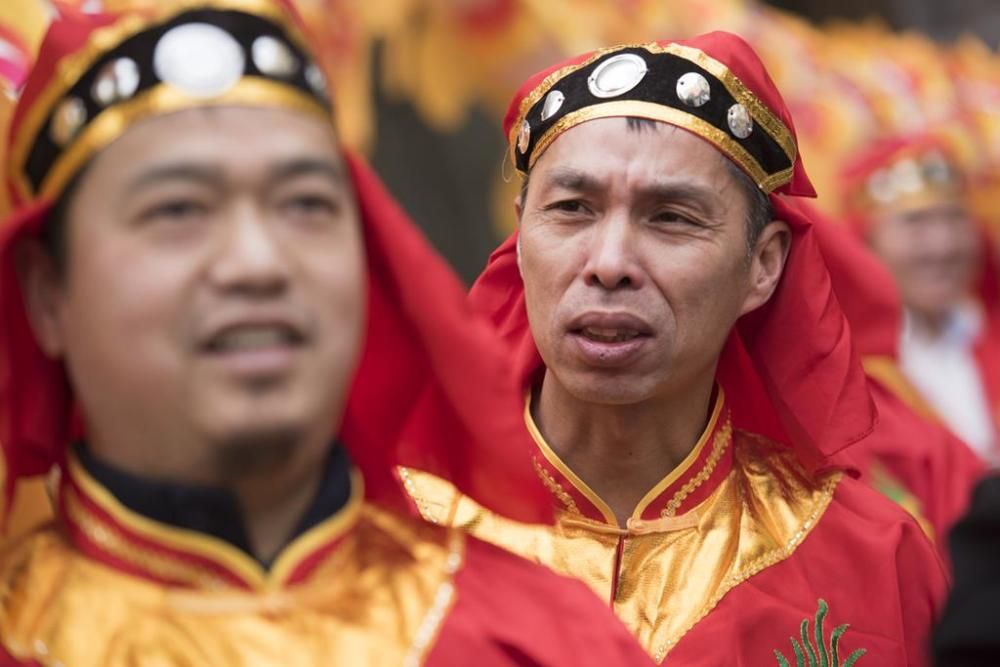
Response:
column 568, row 206
column 310, row 205
column 177, row 210
column 672, row 217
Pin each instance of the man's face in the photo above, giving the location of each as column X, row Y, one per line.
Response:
column 214, row 290
column 933, row 254
column 634, row 259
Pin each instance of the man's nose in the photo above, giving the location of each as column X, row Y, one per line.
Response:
column 612, row 262
column 249, row 257
column 948, row 236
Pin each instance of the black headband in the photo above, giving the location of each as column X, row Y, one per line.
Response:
column 661, row 85
column 200, row 53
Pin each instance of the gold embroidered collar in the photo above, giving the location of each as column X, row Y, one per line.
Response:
column 665, row 505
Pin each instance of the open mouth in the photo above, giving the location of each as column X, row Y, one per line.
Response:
column 251, row 338
column 601, row 335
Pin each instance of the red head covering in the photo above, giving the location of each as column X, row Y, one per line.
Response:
column 907, row 172
column 431, row 390
column 865, row 288
column 789, row 368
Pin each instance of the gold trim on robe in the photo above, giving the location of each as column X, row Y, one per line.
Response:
column 738, row 504
column 110, row 588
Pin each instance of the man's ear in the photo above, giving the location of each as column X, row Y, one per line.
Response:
column 518, row 210
column 767, row 262
column 41, row 288
column 520, row 271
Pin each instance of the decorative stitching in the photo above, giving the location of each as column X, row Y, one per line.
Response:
column 411, row 490
column 555, row 487
column 775, row 556
column 108, row 538
column 719, row 443
column 430, row 626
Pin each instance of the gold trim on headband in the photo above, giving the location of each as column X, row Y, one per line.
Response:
column 75, row 65
column 761, row 115
column 163, row 99
column 543, row 87
column 673, row 116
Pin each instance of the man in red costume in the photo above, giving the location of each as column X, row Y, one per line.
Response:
column 197, row 287
column 906, row 199
column 910, row 457
column 690, row 382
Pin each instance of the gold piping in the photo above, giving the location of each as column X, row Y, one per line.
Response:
column 110, row 540
column 722, row 439
column 205, row 547
column 444, row 599
column 771, row 558
column 557, row 463
column 760, row 113
column 688, row 461
column 320, row 535
column 554, row 487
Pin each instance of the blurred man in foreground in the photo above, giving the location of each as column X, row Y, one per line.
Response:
column 190, row 272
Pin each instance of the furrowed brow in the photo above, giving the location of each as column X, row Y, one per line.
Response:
column 571, row 179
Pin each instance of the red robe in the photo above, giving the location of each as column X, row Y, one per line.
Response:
column 725, row 558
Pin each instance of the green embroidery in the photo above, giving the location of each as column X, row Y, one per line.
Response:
column 815, row 652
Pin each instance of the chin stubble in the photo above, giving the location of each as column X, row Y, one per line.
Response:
column 255, row 454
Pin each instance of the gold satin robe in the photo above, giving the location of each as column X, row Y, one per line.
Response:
column 106, row 587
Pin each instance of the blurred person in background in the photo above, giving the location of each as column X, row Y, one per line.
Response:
column 910, row 457
column 906, row 199
column 690, row 383
column 223, row 334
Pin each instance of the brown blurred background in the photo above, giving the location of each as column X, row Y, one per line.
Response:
column 446, row 180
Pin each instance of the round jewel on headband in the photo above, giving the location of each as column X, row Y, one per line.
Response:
column 117, row 81
column 317, row 80
column 199, row 59
column 553, row 102
column 273, row 57
column 740, row 123
column 617, row 75
column 524, row 137
column 693, row 89
column 69, row 117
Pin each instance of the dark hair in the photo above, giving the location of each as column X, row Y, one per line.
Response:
column 759, row 210
column 55, row 234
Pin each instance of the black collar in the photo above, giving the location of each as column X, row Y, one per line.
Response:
column 214, row 511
